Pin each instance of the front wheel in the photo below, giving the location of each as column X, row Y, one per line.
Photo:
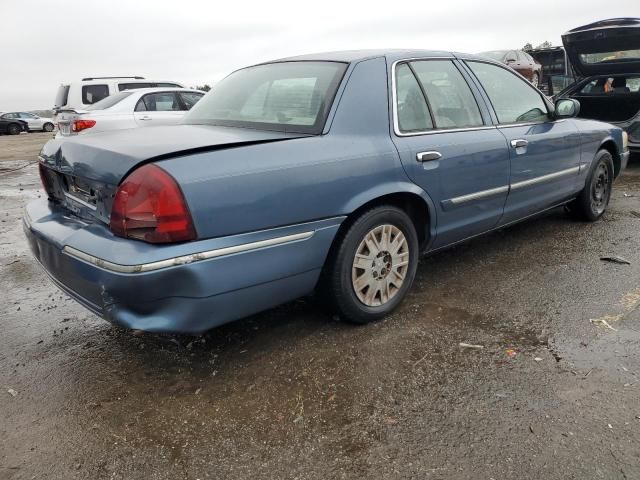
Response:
column 594, row 197
column 374, row 265
column 14, row 129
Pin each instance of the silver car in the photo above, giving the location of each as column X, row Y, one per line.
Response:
column 34, row 122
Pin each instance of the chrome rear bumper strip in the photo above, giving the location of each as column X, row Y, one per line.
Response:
column 183, row 259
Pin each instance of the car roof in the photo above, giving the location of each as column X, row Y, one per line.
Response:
column 350, row 56
column 161, row 89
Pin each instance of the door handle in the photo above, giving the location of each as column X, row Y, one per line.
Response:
column 519, row 143
column 146, row 117
column 428, row 156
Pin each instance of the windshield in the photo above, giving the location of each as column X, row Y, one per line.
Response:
column 494, row 55
column 286, row 96
column 109, row 101
column 605, row 57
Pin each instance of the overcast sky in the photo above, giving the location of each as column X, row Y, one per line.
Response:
column 45, row 43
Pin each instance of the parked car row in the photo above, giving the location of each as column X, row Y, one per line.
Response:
column 328, row 173
column 14, row 123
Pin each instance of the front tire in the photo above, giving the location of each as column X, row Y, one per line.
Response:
column 594, row 197
column 14, row 129
column 47, row 127
column 373, row 265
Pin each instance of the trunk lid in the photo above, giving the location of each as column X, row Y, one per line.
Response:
column 604, row 47
column 65, row 118
column 82, row 173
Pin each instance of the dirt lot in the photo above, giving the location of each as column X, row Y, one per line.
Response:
column 293, row 394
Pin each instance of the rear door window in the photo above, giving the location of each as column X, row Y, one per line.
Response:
column 411, row 105
column 94, row 93
column 450, row 98
column 159, row 102
column 514, row 100
column 190, row 98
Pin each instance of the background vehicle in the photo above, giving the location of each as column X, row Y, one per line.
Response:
column 606, row 58
column 556, row 73
column 328, row 172
column 142, row 107
column 518, row 60
column 34, row 122
column 93, row 89
column 12, row 125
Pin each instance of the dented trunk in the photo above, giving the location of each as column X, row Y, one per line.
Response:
column 82, row 173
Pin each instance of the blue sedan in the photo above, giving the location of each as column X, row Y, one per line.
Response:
column 326, row 173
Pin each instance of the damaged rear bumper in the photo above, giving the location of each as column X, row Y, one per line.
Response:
column 186, row 288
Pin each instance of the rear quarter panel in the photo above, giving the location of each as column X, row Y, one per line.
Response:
column 594, row 135
column 294, row 181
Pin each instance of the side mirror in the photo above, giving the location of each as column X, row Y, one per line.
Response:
column 511, row 60
column 567, row 108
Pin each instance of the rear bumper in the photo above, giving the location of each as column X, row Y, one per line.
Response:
column 186, row 288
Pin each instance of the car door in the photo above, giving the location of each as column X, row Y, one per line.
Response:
column 545, row 153
column 34, row 122
column 448, row 146
column 158, row 108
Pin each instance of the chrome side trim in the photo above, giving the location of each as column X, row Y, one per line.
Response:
column 184, row 259
column 477, row 195
column 394, row 106
column 545, row 178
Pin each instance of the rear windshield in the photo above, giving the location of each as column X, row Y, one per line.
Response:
column 620, row 56
column 62, row 96
column 109, row 101
column 285, row 96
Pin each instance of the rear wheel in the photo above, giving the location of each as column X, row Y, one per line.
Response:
column 48, row 127
column 594, row 197
column 14, row 129
column 373, row 265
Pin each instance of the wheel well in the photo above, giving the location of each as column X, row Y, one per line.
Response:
column 412, row 204
column 611, row 147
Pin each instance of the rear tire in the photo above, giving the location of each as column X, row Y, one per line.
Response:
column 372, row 266
column 47, row 127
column 14, row 129
column 594, row 197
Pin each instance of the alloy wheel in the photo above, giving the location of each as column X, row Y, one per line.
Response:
column 600, row 189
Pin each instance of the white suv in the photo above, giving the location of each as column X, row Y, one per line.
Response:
column 79, row 95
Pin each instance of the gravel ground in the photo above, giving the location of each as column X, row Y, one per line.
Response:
column 291, row 393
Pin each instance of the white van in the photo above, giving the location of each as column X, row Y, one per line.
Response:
column 79, row 95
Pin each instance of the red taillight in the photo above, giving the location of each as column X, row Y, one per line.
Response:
column 46, row 183
column 79, row 125
column 149, row 206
